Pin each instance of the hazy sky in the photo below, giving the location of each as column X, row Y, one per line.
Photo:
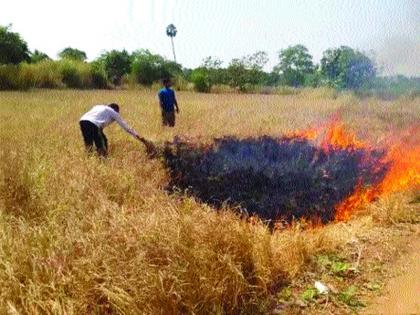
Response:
column 223, row 28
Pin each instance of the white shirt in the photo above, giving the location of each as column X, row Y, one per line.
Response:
column 103, row 115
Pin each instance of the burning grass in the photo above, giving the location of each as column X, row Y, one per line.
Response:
column 85, row 236
column 282, row 179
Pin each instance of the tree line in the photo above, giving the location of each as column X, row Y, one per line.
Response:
column 340, row 68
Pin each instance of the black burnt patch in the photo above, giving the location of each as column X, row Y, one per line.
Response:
column 274, row 178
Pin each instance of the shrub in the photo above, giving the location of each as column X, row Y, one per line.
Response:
column 98, row 75
column 71, row 77
column 80, row 75
column 201, row 81
column 9, row 76
column 14, row 77
column 46, row 74
column 149, row 68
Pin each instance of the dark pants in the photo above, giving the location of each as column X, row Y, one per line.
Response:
column 92, row 134
column 168, row 118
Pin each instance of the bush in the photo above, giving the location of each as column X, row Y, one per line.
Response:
column 77, row 74
column 71, row 77
column 14, row 77
column 9, row 76
column 46, row 74
column 99, row 80
column 149, row 68
column 201, row 81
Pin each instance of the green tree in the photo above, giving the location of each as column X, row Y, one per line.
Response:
column 295, row 64
column 73, row 54
column 38, row 56
column 116, row 64
column 13, row 49
column 238, row 74
column 215, row 73
column 346, row 68
column 248, row 71
column 149, row 68
column 201, row 80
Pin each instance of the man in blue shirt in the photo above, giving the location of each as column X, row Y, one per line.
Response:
column 168, row 104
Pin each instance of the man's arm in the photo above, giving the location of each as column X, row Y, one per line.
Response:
column 125, row 126
column 176, row 104
column 160, row 100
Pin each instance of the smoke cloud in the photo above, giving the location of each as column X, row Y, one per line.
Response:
column 400, row 53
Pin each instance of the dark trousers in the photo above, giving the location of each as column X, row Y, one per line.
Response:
column 168, row 118
column 92, row 134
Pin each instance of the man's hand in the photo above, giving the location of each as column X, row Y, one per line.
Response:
column 177, row 110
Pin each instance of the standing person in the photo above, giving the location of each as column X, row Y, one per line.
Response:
column 168, row 103
column 94, row 121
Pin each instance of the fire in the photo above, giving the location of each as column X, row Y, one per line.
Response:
column 403, row 173
column 316, row 174
column 308, row 134
column 403, row 156
column 337, row 138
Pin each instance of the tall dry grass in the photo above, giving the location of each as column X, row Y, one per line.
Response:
column 84, row 236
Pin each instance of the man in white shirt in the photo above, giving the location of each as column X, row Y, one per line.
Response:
column 94, row 121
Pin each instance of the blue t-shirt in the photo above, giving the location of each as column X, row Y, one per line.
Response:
column 167, row 99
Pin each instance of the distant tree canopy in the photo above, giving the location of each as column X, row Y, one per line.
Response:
column 116, row 64
column 149, row 68
column 295, row 65
column 341, row 68
column 73, row 54
column 247, row 71
column 38, row 56
column 346, row 68
column 13, row 49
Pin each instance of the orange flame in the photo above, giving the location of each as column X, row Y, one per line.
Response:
column 308, row 134
column 403, row 174
column 403, row 155
column 337, row 138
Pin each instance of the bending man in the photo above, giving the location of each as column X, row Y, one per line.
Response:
column 94, row 121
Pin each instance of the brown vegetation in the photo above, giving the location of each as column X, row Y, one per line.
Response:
column 84, row 236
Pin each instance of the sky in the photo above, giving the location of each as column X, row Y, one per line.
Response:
column 388, row 30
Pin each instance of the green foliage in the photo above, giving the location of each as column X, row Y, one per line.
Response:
column 9, row 77
column 13, row 49
column 346, row 68
column 246, row 72
column 73, row 54
column 295, row 64
column 45, row 74
column 201, row 80
column 333, row 264
column 309, row 294
column 116, row 64
column 99, row 76
column 349, row 296
column 71, row 75
column 285, row 294
column 392, row 87
column 216, row 74
column 149, row 68
column 52, row 74
column 38, row 56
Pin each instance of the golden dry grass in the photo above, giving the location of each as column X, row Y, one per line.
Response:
column 84, row 236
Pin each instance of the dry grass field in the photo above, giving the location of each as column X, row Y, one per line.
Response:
column 81, row 235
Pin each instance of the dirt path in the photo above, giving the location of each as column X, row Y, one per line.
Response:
column 402, row 293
